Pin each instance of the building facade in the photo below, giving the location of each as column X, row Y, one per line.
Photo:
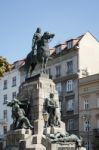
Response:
column 89, row 111
column 63, row 70
column 71, row 61
column 9, row 85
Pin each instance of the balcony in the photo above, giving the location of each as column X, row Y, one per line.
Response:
column 70, row 110
column 3, row 122
column 58, row 75
column 71, row 93
column 69, row 72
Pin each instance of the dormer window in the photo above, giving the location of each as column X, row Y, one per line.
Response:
column 69, row 44
column 58, row 50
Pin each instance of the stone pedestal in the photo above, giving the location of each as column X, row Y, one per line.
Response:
column 14, row 138
column 35, row 90
column 67, row 146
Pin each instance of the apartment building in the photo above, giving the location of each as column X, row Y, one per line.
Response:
column 89, row 110
column 63, row 70
column 72, row 60
column 9, row 85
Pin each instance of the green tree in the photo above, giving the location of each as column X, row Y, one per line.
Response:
column 4, row 66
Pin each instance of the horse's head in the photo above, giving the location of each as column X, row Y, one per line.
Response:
column 48, row 35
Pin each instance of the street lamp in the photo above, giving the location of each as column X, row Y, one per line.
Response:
column 45, row 117
column 87, row 118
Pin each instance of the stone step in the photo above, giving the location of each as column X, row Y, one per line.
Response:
column 36, row 147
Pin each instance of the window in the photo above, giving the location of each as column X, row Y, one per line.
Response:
column 5, row 84
column 5, row 99
column 69, row 86
column 14, row 81
column 5, row 129
column 5, row 114
column 13, row 95
column 58, row 71
column 86, row 125
column 69, row 44
column 58, row 88
column 70, row 105
column 58, row 50
column 70, row 66
column 86, row 104
column 70, row 124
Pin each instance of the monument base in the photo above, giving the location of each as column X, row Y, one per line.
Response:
column 15, row 137
column 36, row 90
column 24, row 140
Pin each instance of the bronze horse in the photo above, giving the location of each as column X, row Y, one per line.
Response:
column 42, row 56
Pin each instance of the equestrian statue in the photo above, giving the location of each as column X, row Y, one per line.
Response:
column 40, row 52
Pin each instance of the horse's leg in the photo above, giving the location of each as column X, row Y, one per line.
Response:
column 31, row 71
column 32, row 68
column 27, row 70
column 45, row 64
column 42, row 65
column 28, row 64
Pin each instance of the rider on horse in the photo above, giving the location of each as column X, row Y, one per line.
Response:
column 36, row 40
column 40, row 52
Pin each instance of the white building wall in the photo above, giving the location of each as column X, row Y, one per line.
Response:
column 89, row 54
column 10, row 89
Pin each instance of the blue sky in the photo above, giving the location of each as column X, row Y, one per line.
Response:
column 65, row 18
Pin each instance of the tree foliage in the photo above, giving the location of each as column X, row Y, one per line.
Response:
column 4, row 66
